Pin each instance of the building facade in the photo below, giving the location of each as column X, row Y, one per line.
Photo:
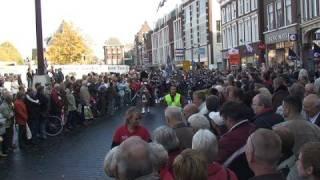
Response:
column 242, row 30
column 167, row 38
column 197, row 31
column 216, row 62
column 113, row 52
column 310, row 31
column 139, row 44
column 281, row 30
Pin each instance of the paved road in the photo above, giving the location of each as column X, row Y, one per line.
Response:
column 77, row 155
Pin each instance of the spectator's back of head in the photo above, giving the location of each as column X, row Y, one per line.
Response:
column 292, row 105
column 297, row 90
column 287, row 140
column 212, row 103
column 173, row 115
column 159, row 156
column 167, row 137
column 190, row 165
column 198, row 121
column 133, row 159
column 263, row 148
column 206, row 142
column 309, row 161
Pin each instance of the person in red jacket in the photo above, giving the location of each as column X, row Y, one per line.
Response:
column 21, row 116
column 130, row 128
column 206, row 142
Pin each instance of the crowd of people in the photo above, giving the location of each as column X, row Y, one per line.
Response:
column 249, row 124
column 244, row 124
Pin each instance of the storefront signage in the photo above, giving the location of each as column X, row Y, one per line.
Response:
column 280, row 35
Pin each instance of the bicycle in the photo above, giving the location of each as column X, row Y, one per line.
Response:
column 54, row 125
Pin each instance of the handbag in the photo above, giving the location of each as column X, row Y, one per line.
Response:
column 87, row 113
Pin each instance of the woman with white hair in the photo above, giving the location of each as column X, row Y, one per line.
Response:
column 167, row 137
column 207, row 144
column 198, row 121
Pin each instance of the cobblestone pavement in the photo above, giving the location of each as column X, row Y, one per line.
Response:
column 76, row 155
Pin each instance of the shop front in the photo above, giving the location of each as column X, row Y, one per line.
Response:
column 278, row 43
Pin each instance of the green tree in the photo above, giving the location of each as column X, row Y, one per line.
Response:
column 9, row 53
column 67, row 46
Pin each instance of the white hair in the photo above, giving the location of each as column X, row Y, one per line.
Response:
column 109, row 163
column 167, row 137
column 206, row 142
column 173, row 113
column 159, row 155
column 198, row 121
column 265, row 91
column 303, row 73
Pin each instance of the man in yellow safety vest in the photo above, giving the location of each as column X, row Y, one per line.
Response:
column 173, row 98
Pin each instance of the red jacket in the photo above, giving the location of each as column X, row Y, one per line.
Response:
column 21, row 112
column 216, row 171
column 165, row 174
column 234, row 140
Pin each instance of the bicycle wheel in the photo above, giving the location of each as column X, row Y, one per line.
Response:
column 54, row 126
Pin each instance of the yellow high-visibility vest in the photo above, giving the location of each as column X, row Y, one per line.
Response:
column 176, row 102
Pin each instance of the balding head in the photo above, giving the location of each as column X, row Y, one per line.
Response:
column 263, row 149
column 133, row 159
column 173, row 116
column 311, row 105
column 189, row 110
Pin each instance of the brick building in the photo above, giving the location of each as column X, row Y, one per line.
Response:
column 113, row 52
column 167, row 38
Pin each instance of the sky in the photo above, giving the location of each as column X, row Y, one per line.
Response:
column 97, row 20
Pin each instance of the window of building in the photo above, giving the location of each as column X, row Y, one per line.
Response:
column 228, row 12
column 288, row 12
column 270, row 16
column 224, row 38
column 218, row 24
column 240, row 7
column 279, row 15
column 246, row 6
column 218, row 37
column 203, row 8
column 229, row 37
column 248, row 30
column 223, row 15
column 241, row 32
column 315, row 8
column 254, row 5
column 234, row 35
column 234, row 10
column 255, row 29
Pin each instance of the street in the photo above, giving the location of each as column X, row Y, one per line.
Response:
column 75, row 155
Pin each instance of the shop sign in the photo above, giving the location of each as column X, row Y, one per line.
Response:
column 281, row 35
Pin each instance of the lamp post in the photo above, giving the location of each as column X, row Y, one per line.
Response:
column 39, row 38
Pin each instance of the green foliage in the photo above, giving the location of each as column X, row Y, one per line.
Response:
column 67, row 46
column 9, row 53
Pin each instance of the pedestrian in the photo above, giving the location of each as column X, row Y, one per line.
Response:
column 131, row 127
column 6, row 109
column 21, row 117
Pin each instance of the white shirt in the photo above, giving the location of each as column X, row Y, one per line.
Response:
column 314, row 118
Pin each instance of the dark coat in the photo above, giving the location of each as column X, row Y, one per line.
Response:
column 184, row 134
column 278, row 96
column 234, row 140
column 267, row 119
